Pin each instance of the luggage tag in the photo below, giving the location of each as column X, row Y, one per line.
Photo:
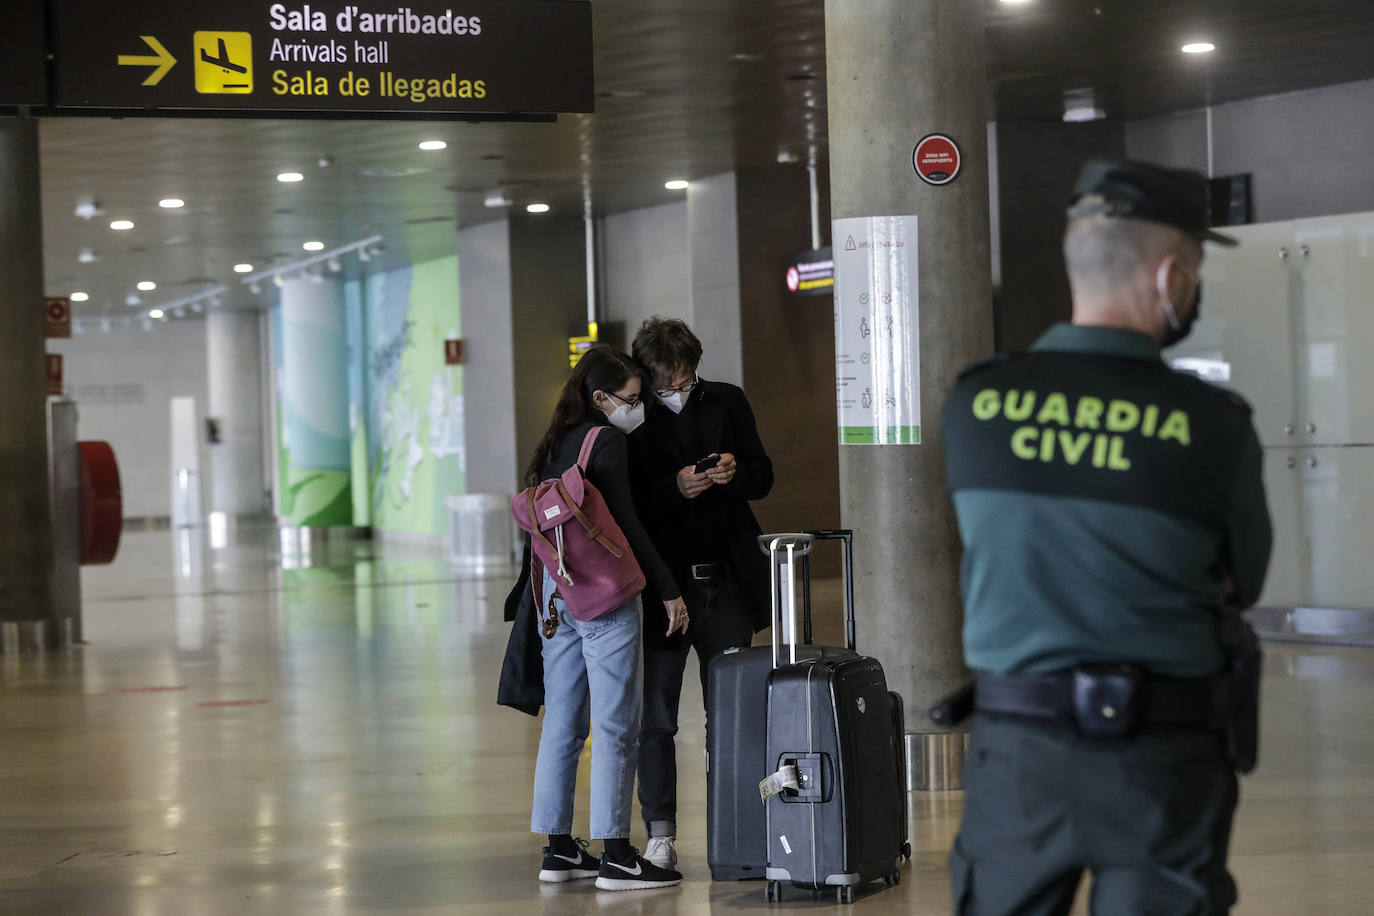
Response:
column 785, row 778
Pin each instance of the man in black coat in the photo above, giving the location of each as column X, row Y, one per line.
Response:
column 702, row 526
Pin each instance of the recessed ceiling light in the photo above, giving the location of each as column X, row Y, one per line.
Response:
column 290, row 177
column 243, row 268
column 1015, row 1
column 171, row 203
column 538, row 208
column 79, row 297
column 1199, row 47
column 677, row 184
column 147, row 286
column 433, row 145
column 122, row 225
column 313, row 246
column 156, row 314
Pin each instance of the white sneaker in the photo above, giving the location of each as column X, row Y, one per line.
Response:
column 662, row 851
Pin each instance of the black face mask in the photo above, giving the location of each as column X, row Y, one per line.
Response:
column 1174, row 335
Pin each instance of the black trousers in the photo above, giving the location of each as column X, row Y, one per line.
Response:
column 1149, row 817
column 719, row 616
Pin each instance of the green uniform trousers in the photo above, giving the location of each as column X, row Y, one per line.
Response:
column 1149, row 817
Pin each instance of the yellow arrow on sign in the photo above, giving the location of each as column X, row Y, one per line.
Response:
column 162, row 60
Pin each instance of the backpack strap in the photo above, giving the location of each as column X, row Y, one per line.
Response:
column 556, row 551
column 593, row 530
column 587, row 442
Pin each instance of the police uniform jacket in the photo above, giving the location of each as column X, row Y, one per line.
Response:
column 1103, row 500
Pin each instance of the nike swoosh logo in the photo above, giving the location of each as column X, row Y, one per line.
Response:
column 576, row 861
column 638, row 869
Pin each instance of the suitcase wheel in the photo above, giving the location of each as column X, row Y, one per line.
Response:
column 773, row 893
column 906, row 853
column 844, row 895
column 893, row 879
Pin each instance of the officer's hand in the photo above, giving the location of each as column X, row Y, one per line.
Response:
column 724, row 472
column 677, row 615
column 691, row 484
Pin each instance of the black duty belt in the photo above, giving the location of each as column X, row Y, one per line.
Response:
column 1102, row 700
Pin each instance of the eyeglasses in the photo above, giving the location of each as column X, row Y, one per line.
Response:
column 628, row 402
column 681, row 389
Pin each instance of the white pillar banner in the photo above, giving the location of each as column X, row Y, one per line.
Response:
column 877, row 330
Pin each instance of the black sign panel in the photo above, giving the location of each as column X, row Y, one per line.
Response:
column 811, row 273
column 419, row 58
column 22, row 48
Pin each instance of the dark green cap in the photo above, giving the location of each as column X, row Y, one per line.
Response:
column 1138, row 190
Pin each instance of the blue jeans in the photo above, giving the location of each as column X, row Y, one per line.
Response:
column 593, row 679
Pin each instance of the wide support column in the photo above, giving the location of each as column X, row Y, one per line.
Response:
column 234, row 370
column 897, row 71
column 317, row 475
column 26, row 531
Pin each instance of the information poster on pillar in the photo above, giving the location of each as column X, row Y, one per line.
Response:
column 877, row 330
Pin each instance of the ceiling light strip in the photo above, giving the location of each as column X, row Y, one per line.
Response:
column 310, row 261
column 190, row 300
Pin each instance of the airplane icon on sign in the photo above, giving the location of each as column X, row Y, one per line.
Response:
column 224, row 62
column 222, row 59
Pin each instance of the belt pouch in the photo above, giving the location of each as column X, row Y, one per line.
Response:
column 1107, row 700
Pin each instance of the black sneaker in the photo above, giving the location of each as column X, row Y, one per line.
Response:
column 639, row 874
column 558, row 869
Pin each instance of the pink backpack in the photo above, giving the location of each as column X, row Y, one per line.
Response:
column 574, row 535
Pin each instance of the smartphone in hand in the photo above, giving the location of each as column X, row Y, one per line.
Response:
column 706, row 464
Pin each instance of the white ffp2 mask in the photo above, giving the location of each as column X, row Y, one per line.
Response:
column 627, row 419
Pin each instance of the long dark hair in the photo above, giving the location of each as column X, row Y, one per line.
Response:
column 601, row 368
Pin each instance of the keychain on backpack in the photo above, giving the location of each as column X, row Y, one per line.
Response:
column 549, row 624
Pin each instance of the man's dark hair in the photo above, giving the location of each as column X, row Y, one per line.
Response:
column 664, row 346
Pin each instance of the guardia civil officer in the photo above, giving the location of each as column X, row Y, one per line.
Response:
column 1112, row 510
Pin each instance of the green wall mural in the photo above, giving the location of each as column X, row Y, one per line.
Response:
column 398, row 452
column 414, row 416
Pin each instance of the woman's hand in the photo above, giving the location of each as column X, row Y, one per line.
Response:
column 677, row 615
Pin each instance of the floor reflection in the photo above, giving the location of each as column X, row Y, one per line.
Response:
column 256, row 731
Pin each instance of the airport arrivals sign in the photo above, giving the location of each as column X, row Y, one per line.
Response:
column 254, row 58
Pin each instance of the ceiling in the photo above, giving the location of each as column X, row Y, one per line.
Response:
column 685, row 88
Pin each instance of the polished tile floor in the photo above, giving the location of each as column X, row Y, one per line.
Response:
column 246, row 736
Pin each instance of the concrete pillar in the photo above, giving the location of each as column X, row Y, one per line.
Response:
column 548, row 265
column 26, row 531
column 898, row 70
column 317, row 488
column 522, row 282
column 489, row 383
column 713, row 249
column 233, row 368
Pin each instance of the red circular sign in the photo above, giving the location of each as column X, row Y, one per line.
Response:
column 936, row 159
column 793, row 279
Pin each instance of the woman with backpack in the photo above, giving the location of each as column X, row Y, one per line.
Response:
column 592, row 668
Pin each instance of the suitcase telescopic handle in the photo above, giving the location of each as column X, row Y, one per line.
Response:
column 846, row 538
column 795, row 546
